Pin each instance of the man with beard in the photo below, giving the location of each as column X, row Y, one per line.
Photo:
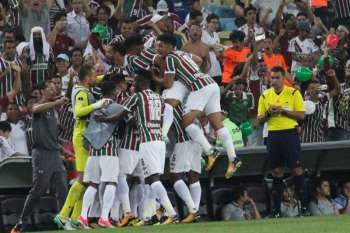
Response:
column 39, row 56
column 197, row 47
column 47, row 163
column 10, row 71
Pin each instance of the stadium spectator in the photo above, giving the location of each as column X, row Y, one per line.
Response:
column 242, row 208
column 343, row 199
column 127, row 28
column 251, row 29
column 6, row 148
column 62, row 64
column 322, row 204
column 211, row 38
column 195, row 17
column 302, row 46
column 197, row 6
column 197, row 47
column 59, row 41
column 289, row 205
column 234, row 55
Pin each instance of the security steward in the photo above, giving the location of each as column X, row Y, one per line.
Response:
column 282, row 107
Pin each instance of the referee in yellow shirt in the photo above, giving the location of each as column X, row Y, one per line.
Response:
column 282, row 107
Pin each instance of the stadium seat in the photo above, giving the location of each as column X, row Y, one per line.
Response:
column 221, row 11
column 219, row 196
column 227, row 24
column 44, row 214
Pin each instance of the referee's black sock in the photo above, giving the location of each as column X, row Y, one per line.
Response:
column 301, row 190
column 277, row 195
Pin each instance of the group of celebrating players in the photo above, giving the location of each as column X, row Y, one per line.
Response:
column 169, row 95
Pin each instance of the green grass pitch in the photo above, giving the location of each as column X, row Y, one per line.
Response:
column 336, row 224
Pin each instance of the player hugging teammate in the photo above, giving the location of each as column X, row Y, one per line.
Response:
column 159, row 91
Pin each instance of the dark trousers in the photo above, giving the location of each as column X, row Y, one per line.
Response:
column 48, row 171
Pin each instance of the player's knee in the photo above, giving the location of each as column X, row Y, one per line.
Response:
column 278, row 172
column 298, row 171
column 215, row 120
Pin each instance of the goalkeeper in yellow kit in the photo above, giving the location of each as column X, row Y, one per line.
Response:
column 83, row 104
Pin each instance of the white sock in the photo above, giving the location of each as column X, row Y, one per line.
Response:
column 196, row 193
column 160, row 192
column 184, row 193
column 88, row 199
column 168, row 118
column 115, row 207
column 108, row 198
column 133, row 199
column 149, row 203
column 140, row 197
column 227, row 141
column 198, row 136
column 123, row 193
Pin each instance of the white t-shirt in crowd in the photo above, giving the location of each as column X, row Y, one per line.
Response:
column 305, row 47
column 6, row 149
column 18, row 137
column 211, row 39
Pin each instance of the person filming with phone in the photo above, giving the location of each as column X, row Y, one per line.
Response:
column 282, row 107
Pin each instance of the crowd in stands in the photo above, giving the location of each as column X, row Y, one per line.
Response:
column 52, row 39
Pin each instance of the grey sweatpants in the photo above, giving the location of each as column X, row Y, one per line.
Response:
column 48, row 171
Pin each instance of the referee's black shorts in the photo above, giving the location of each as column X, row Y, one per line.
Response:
column 284, row 149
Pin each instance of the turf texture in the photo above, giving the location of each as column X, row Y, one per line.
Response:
column 333, row 224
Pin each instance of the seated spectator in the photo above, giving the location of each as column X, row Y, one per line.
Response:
column 242, row 208
column 322, row 204
column 234, row 55
column 289, row 205
column 17, row 136
column 343, row 199
column 6, row 149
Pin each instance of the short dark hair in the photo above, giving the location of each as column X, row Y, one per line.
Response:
column 317, row 183
column 301, row 14
column 105, row 8
column 5, row 126
column 58, row 16
column 9, row 41
column 144, row 74
column 129, row 20
column 119, row 47
column 133, row 40
column 107, row 87
column 42, row 85
column 249, row 8
column 237, row 36
column 8, row 29
column 75, row 49
column 168, row 38
column 278, row 69
column 195, row 14
column 238, row 192
column 84, row 71
column 211, row 17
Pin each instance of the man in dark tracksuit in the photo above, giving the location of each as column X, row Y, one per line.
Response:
column 48, row 169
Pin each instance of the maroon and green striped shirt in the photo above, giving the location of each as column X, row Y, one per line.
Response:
column 39, row 70
column 186, row 71
column 109, row 149
column 7, row 81
column 179, row 133
column 149, row 108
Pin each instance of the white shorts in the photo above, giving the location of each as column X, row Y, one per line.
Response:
column 129, row 161
column 186, row 157
column 206, row 100
column 152, row 157
column 178, row 91
column 101, row 169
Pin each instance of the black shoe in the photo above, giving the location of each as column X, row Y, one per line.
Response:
column 305, row 212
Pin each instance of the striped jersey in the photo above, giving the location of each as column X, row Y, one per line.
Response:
column 7, row 81
column 117, row 39
column 312, row 125
column 66, row 122
column 38, row 70
column 186, row 71
column 148, row 55
column 149, row 108
column 179, row 133
column 134, row 63
column 109, row 149
column 133, row 8
column 129, row 138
